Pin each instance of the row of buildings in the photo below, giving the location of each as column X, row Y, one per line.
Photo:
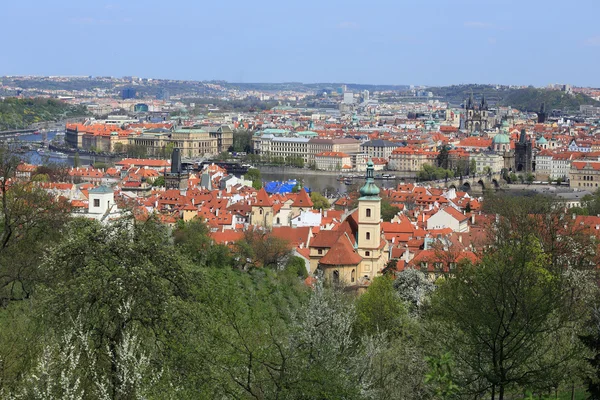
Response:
column 155, row 138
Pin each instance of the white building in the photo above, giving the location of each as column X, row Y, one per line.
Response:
column 449, row 217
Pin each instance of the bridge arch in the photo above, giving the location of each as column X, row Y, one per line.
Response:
column 480, row 182
column 466, row 186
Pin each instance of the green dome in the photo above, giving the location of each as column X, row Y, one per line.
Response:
column 541, row 140
column 501, row 138
column 369, row 189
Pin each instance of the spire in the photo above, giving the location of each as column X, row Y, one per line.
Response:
column 523, row 137
column 470, row 101
column 369, row 188
column 483, row 102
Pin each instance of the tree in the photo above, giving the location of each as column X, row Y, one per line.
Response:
column 414, row 288
column 159, row 181
column 262, row 249
column 472, row 166
column 76, row 160
column 529, row 178
column 513, row 177
column 319, row 201
column 116, row 279
column 442, row 158
column 192, row 239
column 380, row 309
column 506, row 314
column 388, row 211
column 27, row 214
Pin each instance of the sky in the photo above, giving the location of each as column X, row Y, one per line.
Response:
column 419, row 42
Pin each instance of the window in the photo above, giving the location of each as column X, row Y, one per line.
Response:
column 336, row 276
column 352, row 276
column 368, row 212
column 320, row 251
column 260, row 211
column 96, row 202
column 367, row 253
column 368, row 235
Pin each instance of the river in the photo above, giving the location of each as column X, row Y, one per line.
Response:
column 321, row 183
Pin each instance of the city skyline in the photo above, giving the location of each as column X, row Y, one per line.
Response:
column 442, row 43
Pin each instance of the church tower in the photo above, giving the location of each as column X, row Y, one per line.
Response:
column 369, row 244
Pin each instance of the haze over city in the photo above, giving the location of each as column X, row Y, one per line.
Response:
column 382, row 42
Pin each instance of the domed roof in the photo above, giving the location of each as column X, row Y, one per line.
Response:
column 369, row 188
column 541, row 140
column 501, row 138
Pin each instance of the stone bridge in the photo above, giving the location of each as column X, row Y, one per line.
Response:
column 472, row 184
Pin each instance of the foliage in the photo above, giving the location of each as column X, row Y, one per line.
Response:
column 431, row 173
column 20, row 113
column 414, row 288
column 192, row 240
column 388, row 211
column 261, row 248
column 530, row 99
column 242, row 141
column 380, row 309
column 442, row 158
column 159, row 181
column 320, row 202
column 115, row 279
column 27, row 215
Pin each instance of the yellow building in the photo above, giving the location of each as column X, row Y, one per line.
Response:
column 356, row 252
column 262, row 210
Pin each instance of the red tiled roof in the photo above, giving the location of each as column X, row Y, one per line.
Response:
column 342, row 253
column 302, row 199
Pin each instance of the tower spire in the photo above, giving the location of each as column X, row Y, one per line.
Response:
column 369, row 189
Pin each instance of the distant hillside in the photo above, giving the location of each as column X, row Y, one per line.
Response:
column 20, row 113
column 530, row 99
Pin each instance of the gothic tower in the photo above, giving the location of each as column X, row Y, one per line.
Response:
column 523, row 154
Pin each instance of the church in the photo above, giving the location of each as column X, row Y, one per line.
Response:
column 356, row 252
column 476, row 117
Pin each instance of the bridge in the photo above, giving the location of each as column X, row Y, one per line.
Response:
column 471, row 183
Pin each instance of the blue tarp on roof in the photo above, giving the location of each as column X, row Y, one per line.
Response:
column 282, row 187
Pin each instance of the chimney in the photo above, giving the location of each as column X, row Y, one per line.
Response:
column 460, row 238
column 574, row 215
column 472, row 218
column 217, row 212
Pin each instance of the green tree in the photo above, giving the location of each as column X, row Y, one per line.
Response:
column 388, row 211
column 76, row 160
column 262, row 249
column 472, row 166
column 380, row 309
column 193, row 240
column 159, row 181
column 506, row 314
column 27, row 214
column 320, row 202
column 113, row 280
column 442, row 158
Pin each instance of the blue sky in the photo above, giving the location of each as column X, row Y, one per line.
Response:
column 435, row 42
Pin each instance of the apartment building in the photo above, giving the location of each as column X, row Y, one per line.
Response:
column 333, row 161
column 273, row 146
column 410, row 160
column 487, row 159
column 379, row 148
column 584, row 174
